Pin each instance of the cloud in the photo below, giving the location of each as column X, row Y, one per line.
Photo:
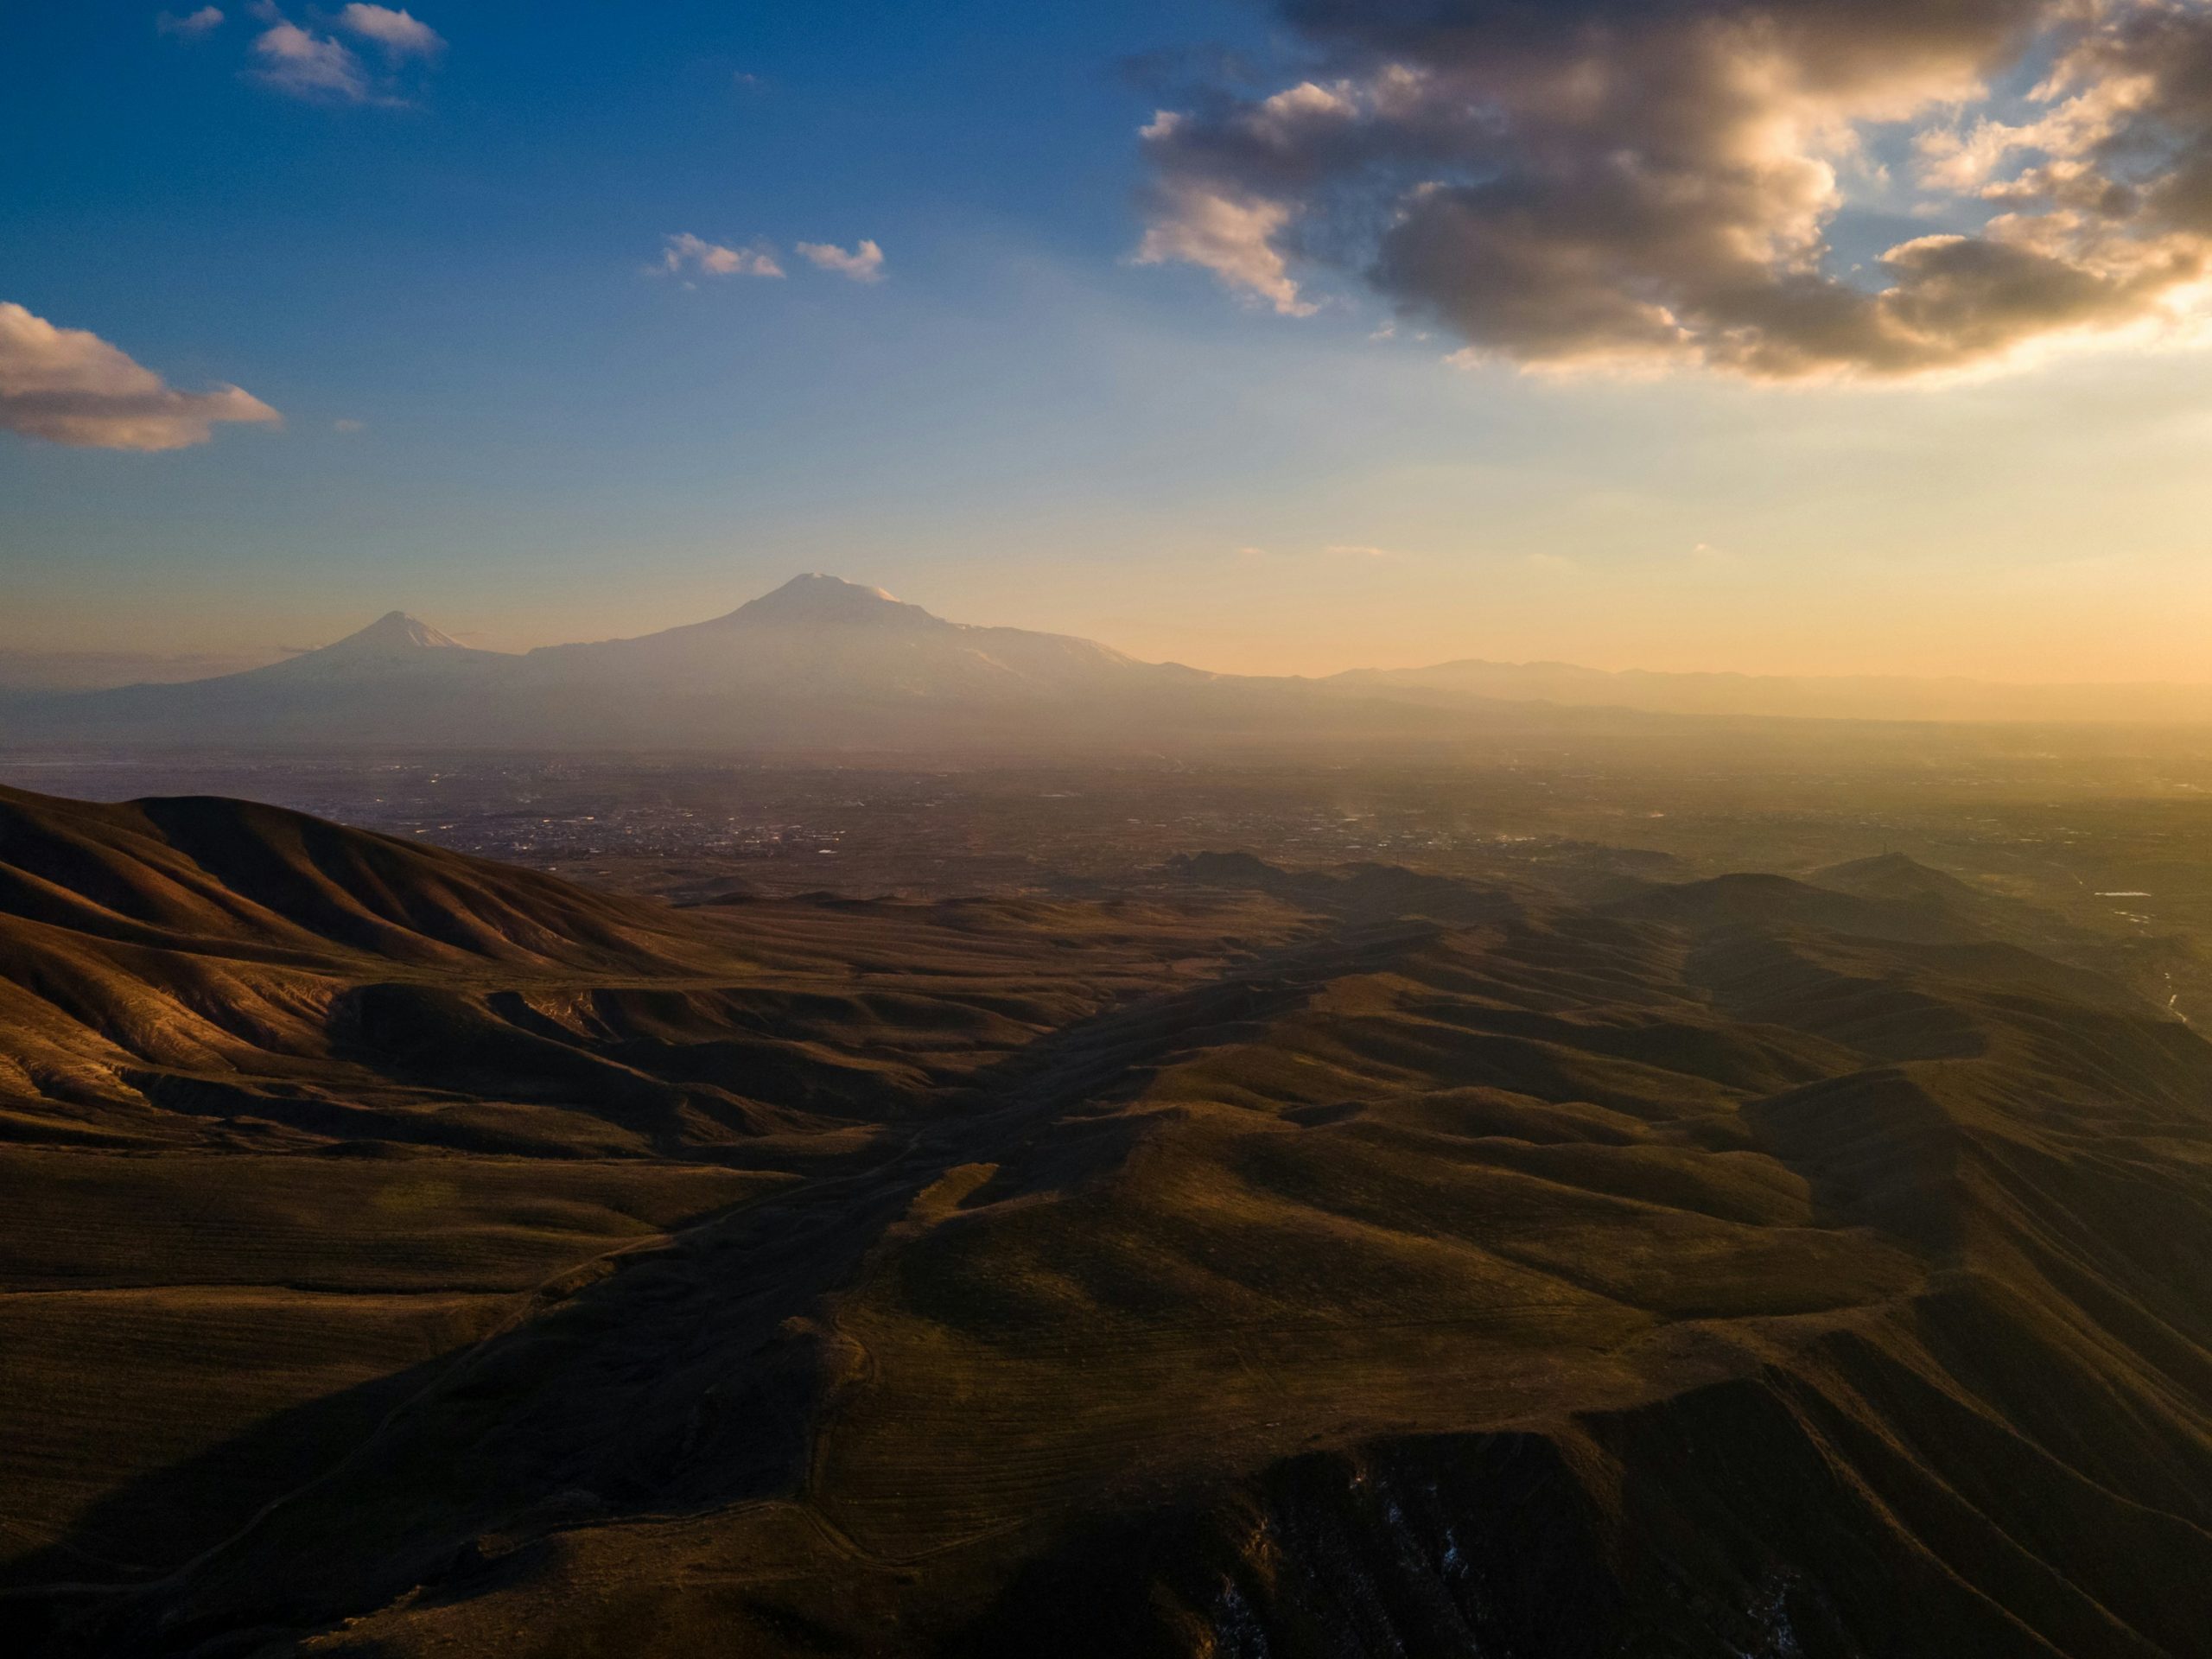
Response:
column 322, row 67
column 863, row 265
column 342, row 424
column 310, row 66
column 1620, row 183
column 686, row 251
column 71, row 387
column 1344, row 551
column 190, row 26
column 1232, row 235
column 398, row 32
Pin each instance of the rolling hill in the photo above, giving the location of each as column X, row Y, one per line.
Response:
column 401, row 1255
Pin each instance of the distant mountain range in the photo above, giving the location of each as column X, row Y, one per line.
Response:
column 1812, row 698
column 825, row 664
column 820, row 663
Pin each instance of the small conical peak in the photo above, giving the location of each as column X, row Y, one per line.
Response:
column 819, row 598
column 396, row 631
column 394, row 643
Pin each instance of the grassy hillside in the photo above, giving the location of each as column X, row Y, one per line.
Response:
column 406, row 1256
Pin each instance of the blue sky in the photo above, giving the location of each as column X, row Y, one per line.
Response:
column 498, row 413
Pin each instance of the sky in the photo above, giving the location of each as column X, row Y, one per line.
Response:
column 1834, row 336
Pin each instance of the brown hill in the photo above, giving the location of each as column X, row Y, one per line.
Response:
column 1266, row 1262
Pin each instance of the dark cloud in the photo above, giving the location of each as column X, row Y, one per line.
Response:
column 1653, row 182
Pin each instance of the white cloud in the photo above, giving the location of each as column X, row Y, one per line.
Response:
column 863, row 265
column 69, row 386
column 345, row 425
column 1343, row 550
column 192, row 25
column 686, row 251
column 398, row 32
column 1230, row 235
column 310, row 66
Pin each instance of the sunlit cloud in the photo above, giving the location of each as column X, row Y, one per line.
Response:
column 1619, row 186
column 684, row 252
column 303, row 64
column 191, row 25
column 69, row 386
column 1232, row 235
column 863, row 265
column 307, row 65
column 398, row 32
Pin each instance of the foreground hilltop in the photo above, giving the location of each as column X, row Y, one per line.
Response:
column 1304, row 1262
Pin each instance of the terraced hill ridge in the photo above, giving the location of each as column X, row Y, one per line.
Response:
column 404, row 1255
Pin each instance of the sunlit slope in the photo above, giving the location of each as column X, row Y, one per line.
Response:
column 237, row 878
column 197, row 968
column 293, row 1114
column 1268, row 1262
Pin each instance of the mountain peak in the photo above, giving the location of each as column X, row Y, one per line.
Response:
column 396, row 631
column 394, row 641
column 817, row 597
